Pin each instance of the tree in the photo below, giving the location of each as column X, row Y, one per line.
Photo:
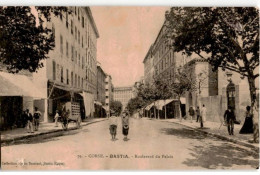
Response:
column 135, row 104
column 185, row 80
column 116, row 106
column 24, row 39
column 226, row 37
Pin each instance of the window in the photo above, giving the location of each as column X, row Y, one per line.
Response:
column 79, row 37
column 71, row 27
column 57, row 72
column 76, row 33
column 61, row 72
column 82, row 42
column 53, row 70
column 67, row 23
column 61, row 16
column 78, row 14
column 71, row 78
column 83, row 63
column 82, row 82
column 76, row 80
column 67, row 49
column 75, row 10
column 67, row 76
column 76, row 56
column 72, row 53
column 61, row 44
column 79, row 59
column 82, row 21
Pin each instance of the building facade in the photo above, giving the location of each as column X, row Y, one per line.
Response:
column 71, row 67
column 109, row 93
column 123, row 94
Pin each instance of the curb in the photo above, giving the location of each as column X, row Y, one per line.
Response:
column 7, row 141
column 253, row 147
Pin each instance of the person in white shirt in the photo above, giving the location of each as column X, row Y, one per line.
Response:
column 203, row 116
column 57, row 115
column 113, row 125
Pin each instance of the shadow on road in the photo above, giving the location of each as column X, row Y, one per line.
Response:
column 214, row 155
column 185, row 133
column 224, row 156
column 46, row 137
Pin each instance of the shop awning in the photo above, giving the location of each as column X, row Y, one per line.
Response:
column 19, row 85
column 160, row 103
column 149, row 106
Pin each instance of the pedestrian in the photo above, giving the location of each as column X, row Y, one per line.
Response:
column 203, row 117
column 24, row 119
column 125, row 125
column 113, row 125
column 29, row 119
column 247, row 128
column 191, row 112
column 230, row 117
column 36, row 116
column 56, row 117
column 198, row 113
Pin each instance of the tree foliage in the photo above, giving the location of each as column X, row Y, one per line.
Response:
column 24, row 39
column 135, row 104
column 228, row 37
column 117, row 107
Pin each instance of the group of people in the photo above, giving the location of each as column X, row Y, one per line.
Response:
column 229, row 119
column 32, row 121
column 201, row 114
column 113, row 122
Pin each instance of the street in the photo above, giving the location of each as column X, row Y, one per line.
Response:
column 152, row 144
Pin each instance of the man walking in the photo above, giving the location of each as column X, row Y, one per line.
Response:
column 203, row 116
column 230, row 117
column 191, row 112
column 29, row 119
column 198, row 113
column 37, row 114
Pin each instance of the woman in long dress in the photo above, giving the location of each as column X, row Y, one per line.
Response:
column 247, row 128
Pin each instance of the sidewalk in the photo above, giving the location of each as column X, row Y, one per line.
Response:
column 214, row 129
column 44, row 128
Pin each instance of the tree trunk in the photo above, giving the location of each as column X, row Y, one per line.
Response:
column 254, row 107
column 165, row 112
column 179, row 106
column 154, row 111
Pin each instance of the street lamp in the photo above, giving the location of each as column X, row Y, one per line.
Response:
column 231, row 89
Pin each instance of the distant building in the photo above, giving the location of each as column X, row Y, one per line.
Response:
column 123, row 94
column 101, row 93
column 109, row 93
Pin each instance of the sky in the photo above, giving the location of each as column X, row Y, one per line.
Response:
column 126, row 34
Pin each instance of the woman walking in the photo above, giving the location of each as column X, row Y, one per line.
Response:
column 125, row 125
column 248, row 124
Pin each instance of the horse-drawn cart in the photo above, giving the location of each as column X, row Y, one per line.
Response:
column 70, row 113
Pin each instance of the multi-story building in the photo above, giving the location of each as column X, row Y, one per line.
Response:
column 123, row 94
column 71, row 67
column 211, row 89
column 109, row 93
